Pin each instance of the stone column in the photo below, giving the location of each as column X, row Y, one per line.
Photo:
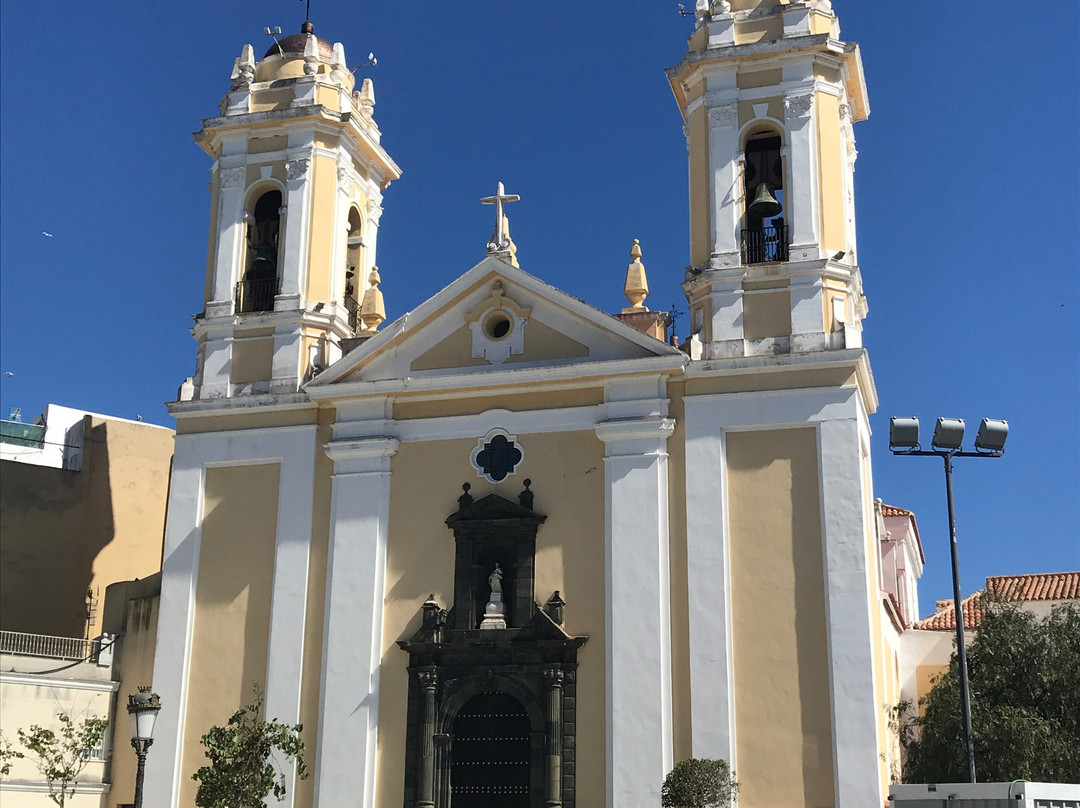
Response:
column 553, row 679
column 442, row 770
column 428, row 679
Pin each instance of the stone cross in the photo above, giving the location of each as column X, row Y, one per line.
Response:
column 500, row 240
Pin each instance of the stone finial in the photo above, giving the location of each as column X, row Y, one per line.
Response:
column 466, row 498
column 311, row 56
column 526, row 496
column 636, row 287
column 339, row 70
column 372, row 308
column 555, row 608
column 244, row 69
column 365, row 98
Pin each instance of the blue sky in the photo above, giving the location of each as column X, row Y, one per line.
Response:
column 966, row 189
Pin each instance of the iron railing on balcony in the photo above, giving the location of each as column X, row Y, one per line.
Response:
column 43, row 645
column 257, row 295
column 765, row 244
column 353, row 307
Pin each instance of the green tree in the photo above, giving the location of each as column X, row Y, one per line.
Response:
column 699, row 783
column 1024, row 674
column 60, row 756
column 242, row 755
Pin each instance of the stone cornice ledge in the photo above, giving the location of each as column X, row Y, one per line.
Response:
column 635, row 429
column 362, row 449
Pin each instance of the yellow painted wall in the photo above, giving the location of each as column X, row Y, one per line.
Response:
column 830, row 172
column 252, row 360
column 133, row 668
column 232, row 603
column 567, row 473
column 752, row 79
column 766, row 29
column 271, row 143
column 767, row 314
column 782, row 699
column 405, row 409
column 788, row 379
column 542, row 342
column 245, row 420
column 924, row 680
column 324, row 231
column 64, row 531
column 700, row 205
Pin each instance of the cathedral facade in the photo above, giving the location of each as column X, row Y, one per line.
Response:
column 509, row 549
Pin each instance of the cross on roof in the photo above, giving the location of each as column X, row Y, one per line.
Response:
column 500, row 240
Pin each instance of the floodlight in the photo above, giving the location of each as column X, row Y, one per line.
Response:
column 949, row 433
column 992, row 435
column 903, row 433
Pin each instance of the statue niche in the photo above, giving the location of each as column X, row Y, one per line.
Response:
column 487, row 723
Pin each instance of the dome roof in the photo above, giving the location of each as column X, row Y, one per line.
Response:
column 295, row 43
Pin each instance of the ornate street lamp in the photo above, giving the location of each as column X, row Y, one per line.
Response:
column 143, row 707
column 946, row 443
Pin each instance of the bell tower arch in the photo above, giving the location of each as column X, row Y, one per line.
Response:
column 768, row 94
column 296, row 195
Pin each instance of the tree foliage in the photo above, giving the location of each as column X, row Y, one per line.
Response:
column 242, row 756
column 699, row 783
column 60, row 755
column 1024, row 675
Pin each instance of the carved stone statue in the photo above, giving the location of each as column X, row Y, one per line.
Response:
column 494, row 615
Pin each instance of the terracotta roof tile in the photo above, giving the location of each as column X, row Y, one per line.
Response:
column 945, row 619
column 1047, row 586
column 892, row 510
column 1010, row 588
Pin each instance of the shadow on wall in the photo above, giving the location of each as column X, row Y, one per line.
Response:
column 53, row 524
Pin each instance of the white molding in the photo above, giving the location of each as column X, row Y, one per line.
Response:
column 34, row 787
column 293, row 448
column 41, row 680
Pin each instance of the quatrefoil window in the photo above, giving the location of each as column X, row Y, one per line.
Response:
column 496, row 455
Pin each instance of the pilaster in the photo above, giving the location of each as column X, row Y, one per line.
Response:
column 352, row 637
column 638, row 650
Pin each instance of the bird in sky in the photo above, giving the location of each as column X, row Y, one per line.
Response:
column 46, row 234
column 8, row 373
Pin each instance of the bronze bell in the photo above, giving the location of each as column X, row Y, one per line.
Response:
column 764, row 204
column 265, row 259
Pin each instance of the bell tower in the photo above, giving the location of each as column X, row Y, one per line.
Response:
column 768, row 94
column 296, row 195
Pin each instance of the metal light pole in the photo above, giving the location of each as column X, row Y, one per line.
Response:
column 946, row 443
column 143, row 707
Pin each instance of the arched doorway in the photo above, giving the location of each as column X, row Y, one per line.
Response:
column 489, row 764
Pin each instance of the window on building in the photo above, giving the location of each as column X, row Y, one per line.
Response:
column 260, row 284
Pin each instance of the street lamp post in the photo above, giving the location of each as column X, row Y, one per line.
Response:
column 946, row 444
column 143, row 707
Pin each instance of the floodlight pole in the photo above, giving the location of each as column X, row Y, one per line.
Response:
column 958, row 607
column 961, row 647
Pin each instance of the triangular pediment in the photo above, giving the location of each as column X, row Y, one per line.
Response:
column 495, row 318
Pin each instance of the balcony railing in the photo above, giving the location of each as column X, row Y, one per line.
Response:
column 43, row 645
column 257, row 295
column 764, row 245
column 353, row 307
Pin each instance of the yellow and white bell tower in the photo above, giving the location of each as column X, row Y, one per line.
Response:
column 769, row 94
column 296, row 196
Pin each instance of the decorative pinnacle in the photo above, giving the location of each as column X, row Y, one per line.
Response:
column 372, row 307
column 636, row 287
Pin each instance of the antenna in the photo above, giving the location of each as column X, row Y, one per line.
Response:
column 683, row 12
column 307, row 12
column 275, row 33
column 674, row 315
column 372, row 61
